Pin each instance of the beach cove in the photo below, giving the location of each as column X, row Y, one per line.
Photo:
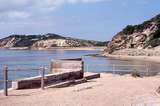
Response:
column 124, row 90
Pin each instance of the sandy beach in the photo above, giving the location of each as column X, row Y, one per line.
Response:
column 151, row 55
column 139, row 58
column 109, row 90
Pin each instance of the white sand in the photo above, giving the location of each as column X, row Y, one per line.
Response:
column 109, row 90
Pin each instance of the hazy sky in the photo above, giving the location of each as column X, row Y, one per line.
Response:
column 87, row 19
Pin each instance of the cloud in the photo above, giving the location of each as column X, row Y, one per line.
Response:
column 13, row 9
column 18, row 14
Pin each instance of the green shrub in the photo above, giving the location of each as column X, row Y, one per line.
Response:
column 129, row 29
column 154, row 40
column 156, row 34
column 135, row 74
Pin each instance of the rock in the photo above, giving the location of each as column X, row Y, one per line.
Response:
column 145, row 35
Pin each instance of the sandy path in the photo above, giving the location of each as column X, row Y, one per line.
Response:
column 109, row 90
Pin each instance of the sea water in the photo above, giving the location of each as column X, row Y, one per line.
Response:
column 34, row 59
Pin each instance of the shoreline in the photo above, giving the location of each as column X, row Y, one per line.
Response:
column 150, row 55
column 72, row 48
column 139, row 58
column 57, row 48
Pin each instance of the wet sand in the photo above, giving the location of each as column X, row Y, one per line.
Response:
column 139, row 58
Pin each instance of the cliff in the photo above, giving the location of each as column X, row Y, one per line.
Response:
column 45, row 41
column 142, row 36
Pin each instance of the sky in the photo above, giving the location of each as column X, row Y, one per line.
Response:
column 86, row 19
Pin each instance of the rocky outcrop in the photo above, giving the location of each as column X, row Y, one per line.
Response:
column 50, row 43
column 45, row 41
column 25, row 40
column 142, row 36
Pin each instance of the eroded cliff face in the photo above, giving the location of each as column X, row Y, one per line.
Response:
column 45, row 41
column 145, row 35
column 22, row 40
column 50, row 43
column 8, row 42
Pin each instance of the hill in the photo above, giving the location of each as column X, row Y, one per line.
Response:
column 142, row 36
column 45, row 41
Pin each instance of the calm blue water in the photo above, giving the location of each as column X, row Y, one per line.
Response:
column 36, row 59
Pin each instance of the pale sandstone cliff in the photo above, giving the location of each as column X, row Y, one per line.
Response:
column 142, row 36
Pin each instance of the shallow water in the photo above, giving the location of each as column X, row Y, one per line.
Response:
column 35, row 59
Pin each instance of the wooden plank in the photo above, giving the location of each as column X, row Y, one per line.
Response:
column 5, row 80
column 65, row 65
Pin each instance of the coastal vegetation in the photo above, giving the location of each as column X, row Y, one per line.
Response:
column 154, row 39
column 46, row 41
column 130, row 29
column 141, row 36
